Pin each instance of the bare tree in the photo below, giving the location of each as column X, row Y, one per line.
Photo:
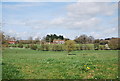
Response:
column 90, row 39
column 82, row 39
column 37, row 39
column 30, row 39
column 114, row 43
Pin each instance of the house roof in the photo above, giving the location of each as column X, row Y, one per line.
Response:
column 11, row 41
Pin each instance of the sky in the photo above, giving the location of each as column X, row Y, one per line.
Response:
column 70, row 19
column 60, row 0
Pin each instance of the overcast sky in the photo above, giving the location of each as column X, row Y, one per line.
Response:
column 70, row 19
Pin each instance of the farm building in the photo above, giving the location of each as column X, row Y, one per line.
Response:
column 11, row 42
column 58, row 41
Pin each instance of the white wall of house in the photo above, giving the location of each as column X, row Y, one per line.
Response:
column 59, row 42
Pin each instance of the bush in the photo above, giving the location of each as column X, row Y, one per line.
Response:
column 81, row 47
column 39, row 49
column 5, row 45
column 57, row 48
column 77, row 47
column 114, row 44
column 14, row 45
column 88, row 47
column 102, row 47
column 27, row 46
column 96, row 46
column 20, row 46
column 33, row 47
column 53, row 48
column 9, row 46
column 42, row 46
column 70, row 45
column 46, row 48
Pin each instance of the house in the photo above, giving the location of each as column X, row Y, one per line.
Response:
column 58, row 41
column 11, row 42
column 107, row 47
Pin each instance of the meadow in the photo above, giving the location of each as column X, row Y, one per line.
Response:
column 20, row 63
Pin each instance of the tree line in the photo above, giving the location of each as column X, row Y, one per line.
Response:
column 82, row 42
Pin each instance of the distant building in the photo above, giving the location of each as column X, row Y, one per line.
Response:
column 116, row 38
column 11, row 42
column 107, row 47
column 58, row 41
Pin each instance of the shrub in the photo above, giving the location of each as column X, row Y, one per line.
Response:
column 12, row 45
column 77, row 47
column 27, row 46
column 88, row 47
column 70, row 45
column 39, row 49
column 57, row 48
column 5, row 45
column 53, row 48
column 81, row 47
column 96, row 46
column 42, row 46
column 20, row 46
column 9, row 46
column 114, row 44
column 46, row 48
column 102, row 47
column 33, row 47
column 63, row 48
column 15, row 46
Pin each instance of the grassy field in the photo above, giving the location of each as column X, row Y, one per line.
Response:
column 87, row 64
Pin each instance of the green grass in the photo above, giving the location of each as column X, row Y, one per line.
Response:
column 31, row 64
